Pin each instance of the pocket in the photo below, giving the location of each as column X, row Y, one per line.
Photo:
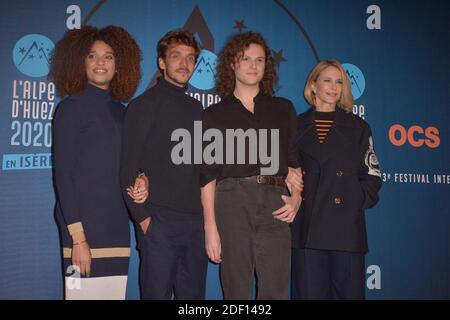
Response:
column 274, row 199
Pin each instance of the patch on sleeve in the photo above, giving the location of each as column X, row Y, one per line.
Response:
column 371, row 160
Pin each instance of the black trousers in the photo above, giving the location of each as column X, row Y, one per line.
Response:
column 253, row 241
column 327, row 275
column 173, row 257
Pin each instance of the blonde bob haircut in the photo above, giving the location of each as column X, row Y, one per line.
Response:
column 345, row 102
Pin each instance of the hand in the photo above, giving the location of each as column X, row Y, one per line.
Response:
column 139, row 192
column 294, row 178
column 288, row 212
column 144, row 225
column 212, row 244
column 81, row 257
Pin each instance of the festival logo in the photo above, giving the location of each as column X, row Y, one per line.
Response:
column 31, row 55
column 357, row 79
column 204, row 74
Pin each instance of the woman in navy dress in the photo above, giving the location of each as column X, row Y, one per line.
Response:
column 93, row 69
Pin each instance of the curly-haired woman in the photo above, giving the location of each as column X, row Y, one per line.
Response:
column 247, row 210
column 92, row 70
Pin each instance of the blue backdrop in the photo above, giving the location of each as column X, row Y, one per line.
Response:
column 396, row 53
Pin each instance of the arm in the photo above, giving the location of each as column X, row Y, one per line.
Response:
column 139, row 193
column 295, row 175
column 81, row 253
column 293, row 151
column 65, row 151
column 66, row 127
column 370, row 175
column 135, row 132
column 212, row 237
column 209, row 172
column 294, row 179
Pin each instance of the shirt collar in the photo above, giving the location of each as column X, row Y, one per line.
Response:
column 233, row 99
column 98, row 92
column 168, row 85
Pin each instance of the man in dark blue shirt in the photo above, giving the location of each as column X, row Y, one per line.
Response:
column 170, row 224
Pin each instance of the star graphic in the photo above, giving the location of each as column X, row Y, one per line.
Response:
column 31, row 56
column 40, row 57
column 240, row 25
column 199, row 70
column 22, row 50
column 278, row 57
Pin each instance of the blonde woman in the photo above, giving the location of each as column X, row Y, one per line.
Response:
column 341, row 179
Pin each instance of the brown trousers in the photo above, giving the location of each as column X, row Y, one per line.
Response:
column 253, row 241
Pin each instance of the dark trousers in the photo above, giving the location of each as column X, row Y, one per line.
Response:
column 173, row 258
column 253, row 241
column 327, row 275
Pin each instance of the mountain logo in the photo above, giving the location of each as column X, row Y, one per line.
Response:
column 356, row 78
column 31, row 55
column 204, row 74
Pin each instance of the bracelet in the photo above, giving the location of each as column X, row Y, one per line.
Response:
column 78, row 243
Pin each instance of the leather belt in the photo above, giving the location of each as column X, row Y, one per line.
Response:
column 270, row 180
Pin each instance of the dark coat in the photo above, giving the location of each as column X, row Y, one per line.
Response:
column 342, row 179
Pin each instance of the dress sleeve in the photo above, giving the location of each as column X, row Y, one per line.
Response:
column 66, row 130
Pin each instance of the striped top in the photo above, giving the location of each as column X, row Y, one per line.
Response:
column 324, row 121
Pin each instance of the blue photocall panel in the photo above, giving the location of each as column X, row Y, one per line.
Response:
column 394, row 52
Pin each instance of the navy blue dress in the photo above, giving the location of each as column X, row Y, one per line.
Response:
column 87, row 142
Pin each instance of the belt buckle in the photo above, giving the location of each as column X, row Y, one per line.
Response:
column 258, row 179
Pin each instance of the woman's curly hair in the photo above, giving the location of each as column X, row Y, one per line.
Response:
column 67, row 64
column 232, row 53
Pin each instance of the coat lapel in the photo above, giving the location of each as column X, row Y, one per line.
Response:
column 307, row 136
column 335, row 140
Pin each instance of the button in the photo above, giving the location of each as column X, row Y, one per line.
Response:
column 339, row 173
column 338, row 200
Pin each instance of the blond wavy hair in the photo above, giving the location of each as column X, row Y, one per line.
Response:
column 345, row 102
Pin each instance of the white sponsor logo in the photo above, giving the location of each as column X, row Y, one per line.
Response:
column 371, row 160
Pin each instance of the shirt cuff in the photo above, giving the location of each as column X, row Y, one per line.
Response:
column 75, row 228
